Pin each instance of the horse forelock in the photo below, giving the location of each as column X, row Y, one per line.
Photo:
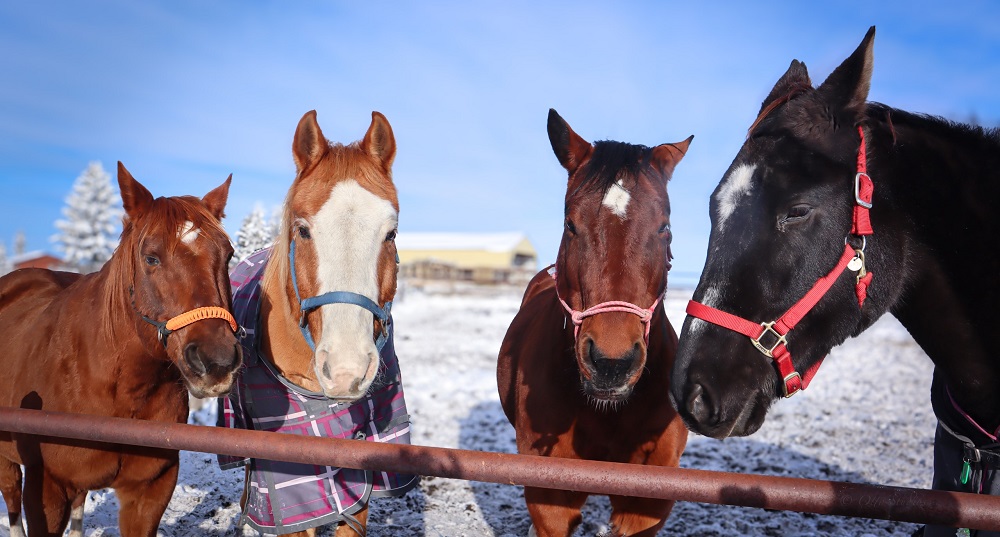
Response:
column 165, row 219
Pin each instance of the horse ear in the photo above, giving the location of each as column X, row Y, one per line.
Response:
column 569, row 147
column 795, row 79
column 379, row 141
column 309, row 144
column 846, row 89
column 216, row 199
column 666, row 156
column 135, row 198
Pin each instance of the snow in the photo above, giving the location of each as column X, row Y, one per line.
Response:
column 850, row 425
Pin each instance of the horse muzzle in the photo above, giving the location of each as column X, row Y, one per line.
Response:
column 210, row 370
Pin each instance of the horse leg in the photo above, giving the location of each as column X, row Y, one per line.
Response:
column 346, row 530
column 642, row 517
column 554, row 513
column 76, row 516
column 143, row 504
column 10, row 487
column 47, row 504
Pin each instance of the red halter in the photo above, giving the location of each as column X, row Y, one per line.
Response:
column 852, row 259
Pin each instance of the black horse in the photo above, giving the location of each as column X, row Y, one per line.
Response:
column 835, row 211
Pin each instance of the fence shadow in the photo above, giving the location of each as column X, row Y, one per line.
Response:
column 502, row 506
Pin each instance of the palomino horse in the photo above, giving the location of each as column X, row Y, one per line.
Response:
column 582, row 369
column 319, row 353
column 116, row 343
column 834, row 212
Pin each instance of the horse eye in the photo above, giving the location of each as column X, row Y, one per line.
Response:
column 152, row 260
column 798, row 212
column 304, row 232
column 665, row 230
column 570, row 226
column 390, row 236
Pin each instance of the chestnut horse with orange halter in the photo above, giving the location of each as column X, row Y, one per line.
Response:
column 320, row 359
column 584, row 368
column 120, row 342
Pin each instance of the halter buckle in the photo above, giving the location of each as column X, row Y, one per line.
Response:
column 857, row 190
column 786, row 380
column 779, row 340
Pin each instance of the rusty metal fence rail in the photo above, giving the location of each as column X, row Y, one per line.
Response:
column 779, row 493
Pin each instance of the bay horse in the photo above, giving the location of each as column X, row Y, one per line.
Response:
column 118, row 342
column 583, row 367
column 320, row 357
column 834, row 212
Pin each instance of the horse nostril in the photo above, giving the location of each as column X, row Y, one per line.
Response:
column 612, row 370
column 326, row 371
column 194, row 360
column 698, row 405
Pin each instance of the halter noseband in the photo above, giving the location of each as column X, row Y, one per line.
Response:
column 337, row 297
column 165, row 328
column 852, row 259
column 645, row 314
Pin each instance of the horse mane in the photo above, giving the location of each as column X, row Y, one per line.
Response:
column 971, row 135
column 163, row 218
column 610, row 162
column 340, row 162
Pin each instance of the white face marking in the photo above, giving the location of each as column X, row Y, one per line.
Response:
column 738, row 183
column 348, row 232
column 617, row 199
column 188, row 233
column 711, row 298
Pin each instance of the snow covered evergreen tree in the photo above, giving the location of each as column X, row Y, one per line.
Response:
column 88, row 234
column 5, row 265
column 20, row 243
column 255, row 233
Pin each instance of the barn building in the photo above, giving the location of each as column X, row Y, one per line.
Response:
column 482, row 258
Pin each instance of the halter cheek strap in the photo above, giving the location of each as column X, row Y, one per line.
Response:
column 337, row 297
column 769, row 337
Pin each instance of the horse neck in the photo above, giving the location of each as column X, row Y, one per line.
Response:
column 136, row 365
column 943, row 183
column 282, row 341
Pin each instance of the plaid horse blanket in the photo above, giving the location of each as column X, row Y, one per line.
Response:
column 286, row 497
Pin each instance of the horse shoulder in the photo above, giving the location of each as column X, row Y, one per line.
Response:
column 529, row 346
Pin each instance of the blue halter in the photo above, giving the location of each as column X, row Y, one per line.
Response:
column 337, row 297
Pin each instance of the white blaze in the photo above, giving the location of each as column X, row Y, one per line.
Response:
column 733, row 187
column 617, row 199
column 348, row 232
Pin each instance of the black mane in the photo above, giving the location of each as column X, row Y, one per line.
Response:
column 612, row 161
column 971, row 134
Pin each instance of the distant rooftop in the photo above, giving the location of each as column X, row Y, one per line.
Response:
column 491, row 242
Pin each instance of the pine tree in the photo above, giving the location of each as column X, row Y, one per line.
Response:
column 5, row 265
column 20, row 243
column 88, row 236
column 255, row 233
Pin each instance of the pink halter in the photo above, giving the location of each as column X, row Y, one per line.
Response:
column 645, row 314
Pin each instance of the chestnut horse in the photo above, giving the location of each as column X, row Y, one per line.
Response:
column 835, row 212
column 320, row 360
column 118, row 342
column 584, row 364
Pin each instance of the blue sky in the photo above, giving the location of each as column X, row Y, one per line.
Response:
column 186, row 92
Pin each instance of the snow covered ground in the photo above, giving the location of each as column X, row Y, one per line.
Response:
column 849, row 425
